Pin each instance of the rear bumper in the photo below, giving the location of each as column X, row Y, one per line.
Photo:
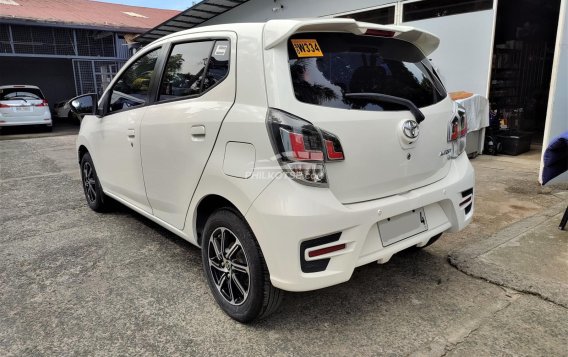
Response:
column 287, row 214
column 44, row 119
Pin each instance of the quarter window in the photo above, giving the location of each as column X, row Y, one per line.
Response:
column 133, row 85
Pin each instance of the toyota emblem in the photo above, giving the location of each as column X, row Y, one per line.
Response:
column 410, row 129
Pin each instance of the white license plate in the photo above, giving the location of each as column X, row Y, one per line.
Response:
column 23, row 109
column 403, row 226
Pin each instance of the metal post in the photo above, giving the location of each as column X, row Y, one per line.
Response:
column 11, row 38
column 94, row 76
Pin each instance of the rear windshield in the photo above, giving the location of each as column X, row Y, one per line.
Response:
column 20, row 93
column 326, row 66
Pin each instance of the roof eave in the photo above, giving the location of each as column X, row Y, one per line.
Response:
column 36, row 22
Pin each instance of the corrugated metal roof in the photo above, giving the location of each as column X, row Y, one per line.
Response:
column 194, row 16
column 84, row 13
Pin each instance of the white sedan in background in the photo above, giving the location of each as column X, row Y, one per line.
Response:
column 23, row 105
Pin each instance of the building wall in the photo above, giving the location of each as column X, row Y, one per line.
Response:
column 53, row 76
column 464, row 55
column 466, row 46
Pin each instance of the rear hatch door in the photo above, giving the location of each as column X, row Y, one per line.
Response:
column 315, row 83
column 22, row 102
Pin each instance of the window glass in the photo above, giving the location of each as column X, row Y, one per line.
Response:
column 131, row 89
column 427, row 9
column 19, row 93
column 184, row 70
column 348, row 63
column 383, row 16
column 218, row 66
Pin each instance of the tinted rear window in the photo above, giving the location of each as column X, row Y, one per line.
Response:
column 348, row 63
column 20, row 93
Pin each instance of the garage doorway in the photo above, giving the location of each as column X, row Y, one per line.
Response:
column 523, row 53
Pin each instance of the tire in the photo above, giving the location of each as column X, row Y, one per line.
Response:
column 94, row 194
column 229, row 250
column 49, row 128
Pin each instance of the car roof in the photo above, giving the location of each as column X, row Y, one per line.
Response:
column 18, row 86
column 276, row 31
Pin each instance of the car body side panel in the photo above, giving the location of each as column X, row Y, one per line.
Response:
column 173, row 152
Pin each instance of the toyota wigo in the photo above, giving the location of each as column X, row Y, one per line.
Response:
column 291, row 151
column 23, row 105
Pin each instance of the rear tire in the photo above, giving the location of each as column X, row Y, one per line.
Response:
column 49, row 128
column 96, row 199
column 235, row 268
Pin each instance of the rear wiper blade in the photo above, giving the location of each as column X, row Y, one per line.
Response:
column 378, row 97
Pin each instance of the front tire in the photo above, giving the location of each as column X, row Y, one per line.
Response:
column 94, row 194
column 235, row 269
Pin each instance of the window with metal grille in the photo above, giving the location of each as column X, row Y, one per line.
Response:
column 5, row 46
column 383, row 16
column 426, row 9
column 39, row 40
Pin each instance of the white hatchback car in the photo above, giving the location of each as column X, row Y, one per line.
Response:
column 291, row 151
column 23, row 105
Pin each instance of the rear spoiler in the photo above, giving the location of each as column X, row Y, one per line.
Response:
column 277, row 31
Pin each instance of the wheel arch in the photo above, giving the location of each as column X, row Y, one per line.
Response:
column 206, row 206
column 81, row 152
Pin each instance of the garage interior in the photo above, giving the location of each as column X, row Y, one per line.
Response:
column 523, row 55
column 54, row 76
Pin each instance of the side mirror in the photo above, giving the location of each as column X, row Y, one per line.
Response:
column 84, row 104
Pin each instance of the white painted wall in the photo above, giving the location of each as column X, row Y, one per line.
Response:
column 464, row 55
column 557, row 112
column 261, row 10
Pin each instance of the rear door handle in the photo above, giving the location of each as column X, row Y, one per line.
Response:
column 197, row 132
column 131, row 133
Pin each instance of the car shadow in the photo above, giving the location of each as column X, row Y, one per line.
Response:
column 414, row 279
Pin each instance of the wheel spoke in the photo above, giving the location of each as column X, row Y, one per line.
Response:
column 234, row 248
column 231, row 295
column 216, row 248
column 221, row 281
column 239, row 286
column 223, row 238
column 216, row 265
column 240, row 267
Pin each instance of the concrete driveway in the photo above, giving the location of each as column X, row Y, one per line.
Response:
column 76, row 282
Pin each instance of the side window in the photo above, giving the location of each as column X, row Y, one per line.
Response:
column 187, row 64
column 131, row 89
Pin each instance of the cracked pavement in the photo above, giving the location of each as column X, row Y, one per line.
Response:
column 74, row 282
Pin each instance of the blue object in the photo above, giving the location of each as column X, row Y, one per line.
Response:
column 555, row 158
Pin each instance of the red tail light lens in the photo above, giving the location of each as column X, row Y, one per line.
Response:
column 333, row 149
column 457, row 131
column 302, row 148
column 4, row 105
column 43, row 103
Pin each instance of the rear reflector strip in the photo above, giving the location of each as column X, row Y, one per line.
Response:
column 326, row 250
column 464, row 202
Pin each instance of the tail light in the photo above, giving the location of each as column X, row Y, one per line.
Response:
column 457, row 131
column 4, row 105
column 302, row 148
column 43, row 103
